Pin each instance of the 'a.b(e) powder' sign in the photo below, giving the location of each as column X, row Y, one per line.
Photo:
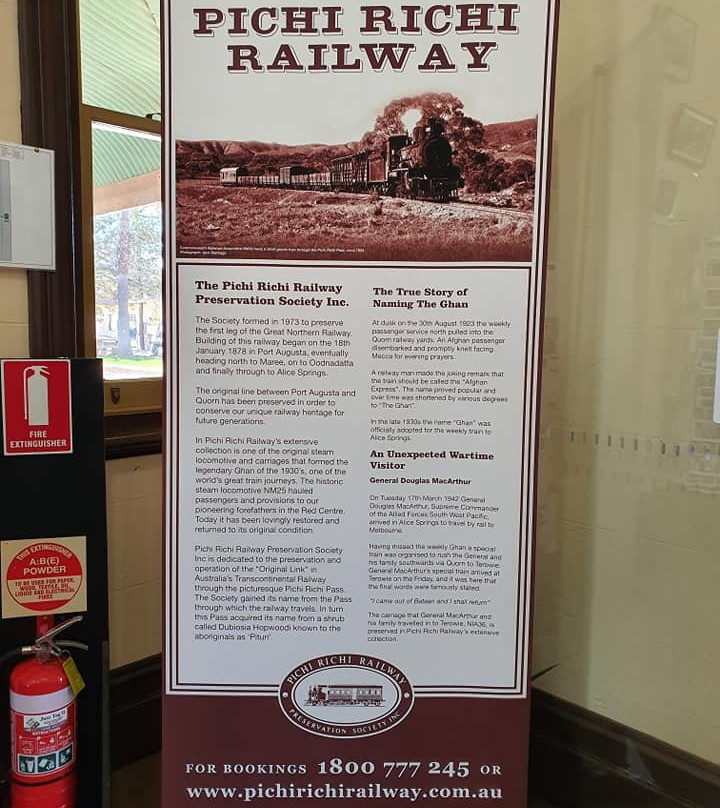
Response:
column 356, row 218
column 43, row 576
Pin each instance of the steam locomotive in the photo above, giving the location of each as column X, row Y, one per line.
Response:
column 417, row 167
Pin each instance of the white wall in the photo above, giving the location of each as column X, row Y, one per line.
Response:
column 628, row 558
column 134, row 497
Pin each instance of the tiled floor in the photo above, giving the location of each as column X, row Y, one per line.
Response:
column 138, row 786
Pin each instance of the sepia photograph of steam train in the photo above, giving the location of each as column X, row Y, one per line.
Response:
column 428, row 182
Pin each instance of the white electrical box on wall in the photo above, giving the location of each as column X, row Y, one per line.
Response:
column 27, row 207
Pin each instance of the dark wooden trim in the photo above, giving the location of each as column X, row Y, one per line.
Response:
column 579, row 759
column 133, row 435
column 49, row 85
column 135, row 711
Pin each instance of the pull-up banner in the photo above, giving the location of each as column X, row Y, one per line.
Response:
column 356, row 200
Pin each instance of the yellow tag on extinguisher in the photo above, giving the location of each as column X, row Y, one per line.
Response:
column 77, row 683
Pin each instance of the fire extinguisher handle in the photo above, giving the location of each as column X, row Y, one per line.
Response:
column 53, row 632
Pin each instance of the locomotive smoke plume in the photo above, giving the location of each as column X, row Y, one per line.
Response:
column 410, row 119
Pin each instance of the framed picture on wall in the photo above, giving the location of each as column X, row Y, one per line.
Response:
column 691, row 136
column 677, row 39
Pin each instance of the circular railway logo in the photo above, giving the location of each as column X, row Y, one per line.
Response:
column 346, row 696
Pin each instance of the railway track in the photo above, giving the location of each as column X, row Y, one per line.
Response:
column 519, row 214
column 474, row 207
column 232, row 219
column 469, row 210
column 457, row 209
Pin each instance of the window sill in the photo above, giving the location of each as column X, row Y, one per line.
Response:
column 133, row 435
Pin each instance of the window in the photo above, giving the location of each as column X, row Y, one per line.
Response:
column 123, row 256
column 127, row 251
column 121, row 198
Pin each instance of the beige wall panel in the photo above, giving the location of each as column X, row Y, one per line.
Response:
column 13, row 336
column 134, row 497
column 135, row 534
column 9, row 70
column 13, row 300
column 628, row 560
column 134, row 478
column 135, row 623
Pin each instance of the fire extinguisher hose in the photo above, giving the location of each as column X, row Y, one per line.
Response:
column 72, row 644
column 6, row 657
column 27, row 650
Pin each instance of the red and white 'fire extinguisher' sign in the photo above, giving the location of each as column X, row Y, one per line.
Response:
column 43, row 724
column 36, row 406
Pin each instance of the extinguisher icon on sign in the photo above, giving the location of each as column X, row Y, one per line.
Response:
column 43, row 722
column 35, row 394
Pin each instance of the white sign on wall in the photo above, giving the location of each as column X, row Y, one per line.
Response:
column 27, row 207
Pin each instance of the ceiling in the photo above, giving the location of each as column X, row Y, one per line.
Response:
column 120, row 47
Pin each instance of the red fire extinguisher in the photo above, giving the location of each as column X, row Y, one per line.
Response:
column 43, row 721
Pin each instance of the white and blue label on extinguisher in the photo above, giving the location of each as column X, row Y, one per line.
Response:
column 43, row 735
